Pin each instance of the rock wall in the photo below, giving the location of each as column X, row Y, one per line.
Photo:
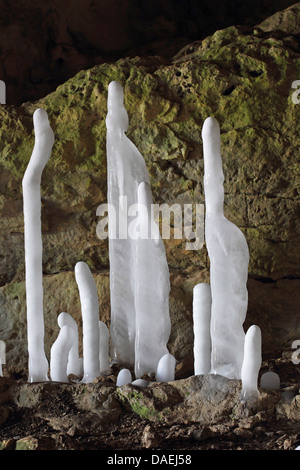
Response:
column 241, row 75
column 45, row 43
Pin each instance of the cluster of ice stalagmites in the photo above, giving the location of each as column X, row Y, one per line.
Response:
column 139, row 275
column 64, row 355
column 221, row 346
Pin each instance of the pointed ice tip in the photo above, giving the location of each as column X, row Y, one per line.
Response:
column 210, row 127
column 115, row 94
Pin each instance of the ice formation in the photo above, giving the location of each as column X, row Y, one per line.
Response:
column 103, row 347
column 229, row 258
column 44, row 140
column 140, row 383
column 152, row 287
column 126, row 169
column 201, row 322
column 270, row 381
column 251, row 364
column 166, row 368
column 75, row 366
column 90, row 321
column 124, row 377
column 59, row 354
column 139, row 276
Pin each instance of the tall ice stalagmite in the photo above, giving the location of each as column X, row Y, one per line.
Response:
column 126, row 169
column 44, row 140
column 152, row 288
column 229, row 258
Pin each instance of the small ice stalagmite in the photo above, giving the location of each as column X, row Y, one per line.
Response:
column 201, row 321
column 229, row 258
column 152, row 287
column 90, row 321
column 124, row 377
column 166, row 368
column 75, row 366
column 103, row 347
column 44, row 140
column 59, row 354
column 126, row 169
column 251, row 364
column 270, row 381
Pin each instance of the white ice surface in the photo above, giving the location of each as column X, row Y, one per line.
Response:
column 201, row 322
column 152, row 287
column 166, row 368
column 124, row 377
column 75, row 364
column 59, row 354
column 90, row 321
column 229, row 258
column 126, row 169
column 44, row 140
column 251, row 364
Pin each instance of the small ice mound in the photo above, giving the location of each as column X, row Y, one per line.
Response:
column 270, row 381
column 140, row 383
column 166, row 369
column 124, row 377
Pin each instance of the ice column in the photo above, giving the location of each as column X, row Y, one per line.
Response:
column 126, row 169
column 229, row 257
column 74, row 361
column 152, row 287
column 44, row 140
column 201, row 321
column 59, row 354
column 90, row 321
column 251, row 364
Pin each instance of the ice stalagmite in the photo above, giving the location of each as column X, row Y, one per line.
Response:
column 59, row 354
column 201, row 321
column 126, row 169
column 229, row 257
column 251, row 364
column 90, row 321
column 166, row 368
column 44, row 140
column 152, row 287
column 74, row 361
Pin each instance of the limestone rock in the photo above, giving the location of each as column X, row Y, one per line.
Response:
column 207, row 400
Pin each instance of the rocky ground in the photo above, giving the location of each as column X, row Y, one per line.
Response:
column 196, row 413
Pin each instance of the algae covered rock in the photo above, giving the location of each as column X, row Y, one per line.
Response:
column 241, row 76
